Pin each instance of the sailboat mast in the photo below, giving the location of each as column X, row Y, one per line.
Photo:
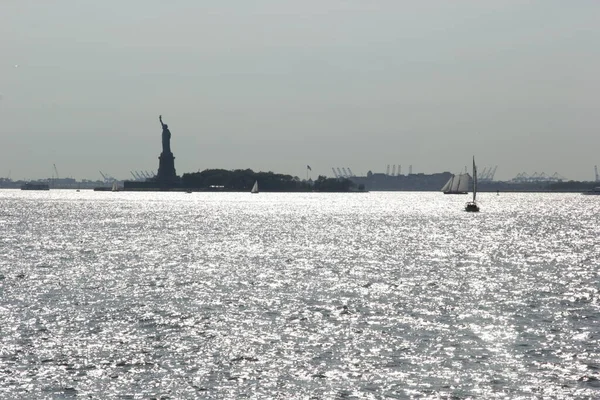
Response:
column 474, row 179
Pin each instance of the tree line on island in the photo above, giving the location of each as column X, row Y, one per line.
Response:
column 243, row 179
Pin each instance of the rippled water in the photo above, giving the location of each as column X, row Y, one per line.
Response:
column 298, row 296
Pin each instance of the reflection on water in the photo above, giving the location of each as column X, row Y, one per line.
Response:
column 228, row 295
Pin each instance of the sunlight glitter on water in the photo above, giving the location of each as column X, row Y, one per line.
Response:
column 227, row 295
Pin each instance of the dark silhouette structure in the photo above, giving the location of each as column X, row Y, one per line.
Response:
column 166, row 167
column 166, row 178
column 241, row 180
column 166, row 136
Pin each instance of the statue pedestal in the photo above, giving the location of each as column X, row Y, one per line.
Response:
column 166, row 169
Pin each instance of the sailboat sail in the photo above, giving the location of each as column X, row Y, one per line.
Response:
column 255, row 187
column 448, row 184
column 463, row 183
column 455, row 184
column 472, row 206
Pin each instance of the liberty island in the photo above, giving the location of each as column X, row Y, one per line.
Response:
column 239, row 180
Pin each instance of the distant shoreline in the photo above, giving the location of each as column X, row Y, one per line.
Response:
column 182, row 190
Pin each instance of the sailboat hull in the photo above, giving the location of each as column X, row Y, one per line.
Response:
column 456, row 193
column 472, row 207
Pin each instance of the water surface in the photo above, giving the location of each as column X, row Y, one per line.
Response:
column 306, row 296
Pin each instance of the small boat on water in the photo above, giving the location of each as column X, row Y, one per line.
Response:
column 35, row 186
column 115, row 187
column 594, row 192
column 457, row 184
column 472, row 206
column 255, row 188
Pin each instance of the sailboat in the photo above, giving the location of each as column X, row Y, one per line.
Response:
column 457, row 184
column 472, row 205
column 255, row 187
column 115, row 187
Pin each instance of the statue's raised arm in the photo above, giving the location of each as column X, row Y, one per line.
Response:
column 160, row 119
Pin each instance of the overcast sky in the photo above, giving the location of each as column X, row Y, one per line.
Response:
column 276, row 85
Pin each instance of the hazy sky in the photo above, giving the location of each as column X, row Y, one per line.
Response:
column 276, row 85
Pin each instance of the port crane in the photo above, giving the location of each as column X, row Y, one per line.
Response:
column 343, row 172
column 487, row 174
column 493, row 173
column 537, row 177
column 107, row 178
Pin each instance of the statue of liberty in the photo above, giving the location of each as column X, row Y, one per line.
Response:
column 166, row 137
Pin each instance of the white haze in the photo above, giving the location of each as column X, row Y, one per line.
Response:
column 273, row 85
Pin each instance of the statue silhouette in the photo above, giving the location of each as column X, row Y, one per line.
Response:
column 166, row 137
